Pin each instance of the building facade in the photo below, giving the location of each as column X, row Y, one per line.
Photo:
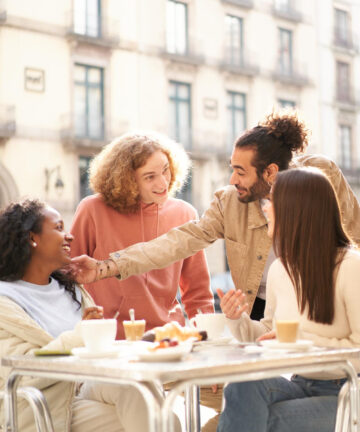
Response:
column 77, row 73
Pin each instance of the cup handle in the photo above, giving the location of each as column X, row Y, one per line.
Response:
column 193, row 322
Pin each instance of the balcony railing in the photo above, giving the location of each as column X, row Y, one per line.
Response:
column 92, row 29
column 293, row 74
column 7, row 122
column 190, row 52
column 203, row 144
column 248, row 4
column 287, row 11
column 352, row 175
column 344, row 40
column 75, row 131
column 80, row 131
column 239, row 63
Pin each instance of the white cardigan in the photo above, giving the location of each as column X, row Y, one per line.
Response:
column 281, row 301
column 20, row 334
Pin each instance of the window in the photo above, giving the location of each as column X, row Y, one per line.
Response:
column 180, row 112
column 186, row 191
column 87, row 17
column 89, row 102
column 342, row 26
column 177, row 27
column 84, row 163
column 236, row 107
column 285, row 51
column 282, row 5
column 284, row 103
column 345, row 146
column 343, row 81
column 234, row 40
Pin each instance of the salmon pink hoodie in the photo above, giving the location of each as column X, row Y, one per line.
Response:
column 100, row 229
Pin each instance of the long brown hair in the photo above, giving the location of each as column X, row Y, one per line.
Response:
column 309, row 238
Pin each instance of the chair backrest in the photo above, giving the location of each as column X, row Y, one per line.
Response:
column 38, row 405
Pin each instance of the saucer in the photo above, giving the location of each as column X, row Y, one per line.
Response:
column 83, row 352
column 299, row 345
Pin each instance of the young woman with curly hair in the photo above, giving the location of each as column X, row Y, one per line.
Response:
column 134, row 178
column 313, row 281
column 34, row 296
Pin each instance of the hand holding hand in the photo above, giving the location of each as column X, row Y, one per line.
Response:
column 232, row 303
column 94, row 312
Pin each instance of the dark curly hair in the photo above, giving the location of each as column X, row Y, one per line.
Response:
column 275, row 140
column 16, row 222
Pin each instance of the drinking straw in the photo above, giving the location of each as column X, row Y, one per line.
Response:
column 132, row 315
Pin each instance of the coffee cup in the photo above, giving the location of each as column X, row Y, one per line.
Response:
column 287, row 330
column 134, row 329
column 98, row 334
column 212, row 323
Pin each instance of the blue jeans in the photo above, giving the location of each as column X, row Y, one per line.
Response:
column 280, row 405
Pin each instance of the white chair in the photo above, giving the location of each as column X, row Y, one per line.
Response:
column 38, row 405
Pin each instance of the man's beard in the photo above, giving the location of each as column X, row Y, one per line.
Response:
column 260, row 189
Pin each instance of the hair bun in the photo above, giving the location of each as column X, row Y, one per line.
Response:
column 289, row 129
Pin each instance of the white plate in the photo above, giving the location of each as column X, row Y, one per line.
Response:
column 219, row 341
column 165, row 354
column 299, row 345
column 131, row 346
column 83, row 352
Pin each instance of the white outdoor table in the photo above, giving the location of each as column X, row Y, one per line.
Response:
column 213, row 365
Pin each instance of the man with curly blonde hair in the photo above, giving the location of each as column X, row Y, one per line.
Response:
column 133, row 179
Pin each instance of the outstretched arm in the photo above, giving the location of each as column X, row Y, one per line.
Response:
column 86, row 269
column 179, row 243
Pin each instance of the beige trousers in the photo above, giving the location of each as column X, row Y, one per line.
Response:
column 110, row 408
column 214, row 401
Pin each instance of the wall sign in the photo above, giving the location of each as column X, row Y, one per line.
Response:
column 210, row 107
column 34, row 80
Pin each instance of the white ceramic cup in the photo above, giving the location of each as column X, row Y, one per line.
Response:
column 98, row 334
column 213, row 323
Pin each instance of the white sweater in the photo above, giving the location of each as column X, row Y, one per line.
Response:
column 281, row 301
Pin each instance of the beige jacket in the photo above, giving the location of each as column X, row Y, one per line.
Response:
column 20, row 334
column 243, row 226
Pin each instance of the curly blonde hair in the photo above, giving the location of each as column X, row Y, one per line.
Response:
column 112, row 171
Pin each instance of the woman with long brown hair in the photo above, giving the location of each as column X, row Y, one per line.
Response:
column 315, row 281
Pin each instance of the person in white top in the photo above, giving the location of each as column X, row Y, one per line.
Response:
column 41, row 308
column 314, row 280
